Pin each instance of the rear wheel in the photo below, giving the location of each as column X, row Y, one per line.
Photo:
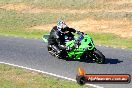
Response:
column 50, row 50
column 99, row 57
column 60, row 55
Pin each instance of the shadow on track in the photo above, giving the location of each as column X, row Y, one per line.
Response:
column 112, row 61
column 107, row 61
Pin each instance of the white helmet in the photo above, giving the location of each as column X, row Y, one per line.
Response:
column 61, row 25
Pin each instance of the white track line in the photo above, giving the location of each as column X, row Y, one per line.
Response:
column 92, row 85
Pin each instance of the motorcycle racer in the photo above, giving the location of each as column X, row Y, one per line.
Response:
column 56, row 38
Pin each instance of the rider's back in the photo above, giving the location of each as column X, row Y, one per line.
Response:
column 54, row 35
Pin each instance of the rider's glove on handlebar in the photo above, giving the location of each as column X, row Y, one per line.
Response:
column 79, row 33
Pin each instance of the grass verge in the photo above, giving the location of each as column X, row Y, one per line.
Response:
column 75, row 4
column 99, row 38
column 13, row 20
column 13, row 77
column 111, row 40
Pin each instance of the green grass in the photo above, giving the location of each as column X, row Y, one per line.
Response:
column 12, row 77
column 73, row 4
column 111, row 40
column 13, row 20
column 23, row 33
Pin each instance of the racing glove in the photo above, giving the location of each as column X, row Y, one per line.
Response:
column 79, row 33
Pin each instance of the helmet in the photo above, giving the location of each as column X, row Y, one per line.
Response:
column 61, row 26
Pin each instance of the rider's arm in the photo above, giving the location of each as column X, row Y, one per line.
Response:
column 72, row 30
column 63, row 47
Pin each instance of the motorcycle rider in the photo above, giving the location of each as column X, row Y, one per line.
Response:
column 56, row 39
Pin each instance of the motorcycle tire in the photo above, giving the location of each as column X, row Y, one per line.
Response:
column 99, row 57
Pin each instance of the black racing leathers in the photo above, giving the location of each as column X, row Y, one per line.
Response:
column 57, row 39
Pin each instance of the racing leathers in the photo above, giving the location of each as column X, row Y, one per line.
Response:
column 56, row 39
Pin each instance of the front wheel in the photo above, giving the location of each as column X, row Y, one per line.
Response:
column 99, row 57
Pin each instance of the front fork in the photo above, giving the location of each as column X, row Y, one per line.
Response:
column 91, row 54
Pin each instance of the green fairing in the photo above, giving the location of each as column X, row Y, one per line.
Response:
column 86, row 42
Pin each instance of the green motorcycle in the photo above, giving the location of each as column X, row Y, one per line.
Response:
column 84, row 50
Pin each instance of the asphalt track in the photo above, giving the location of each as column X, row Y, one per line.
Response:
column 32, row 53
